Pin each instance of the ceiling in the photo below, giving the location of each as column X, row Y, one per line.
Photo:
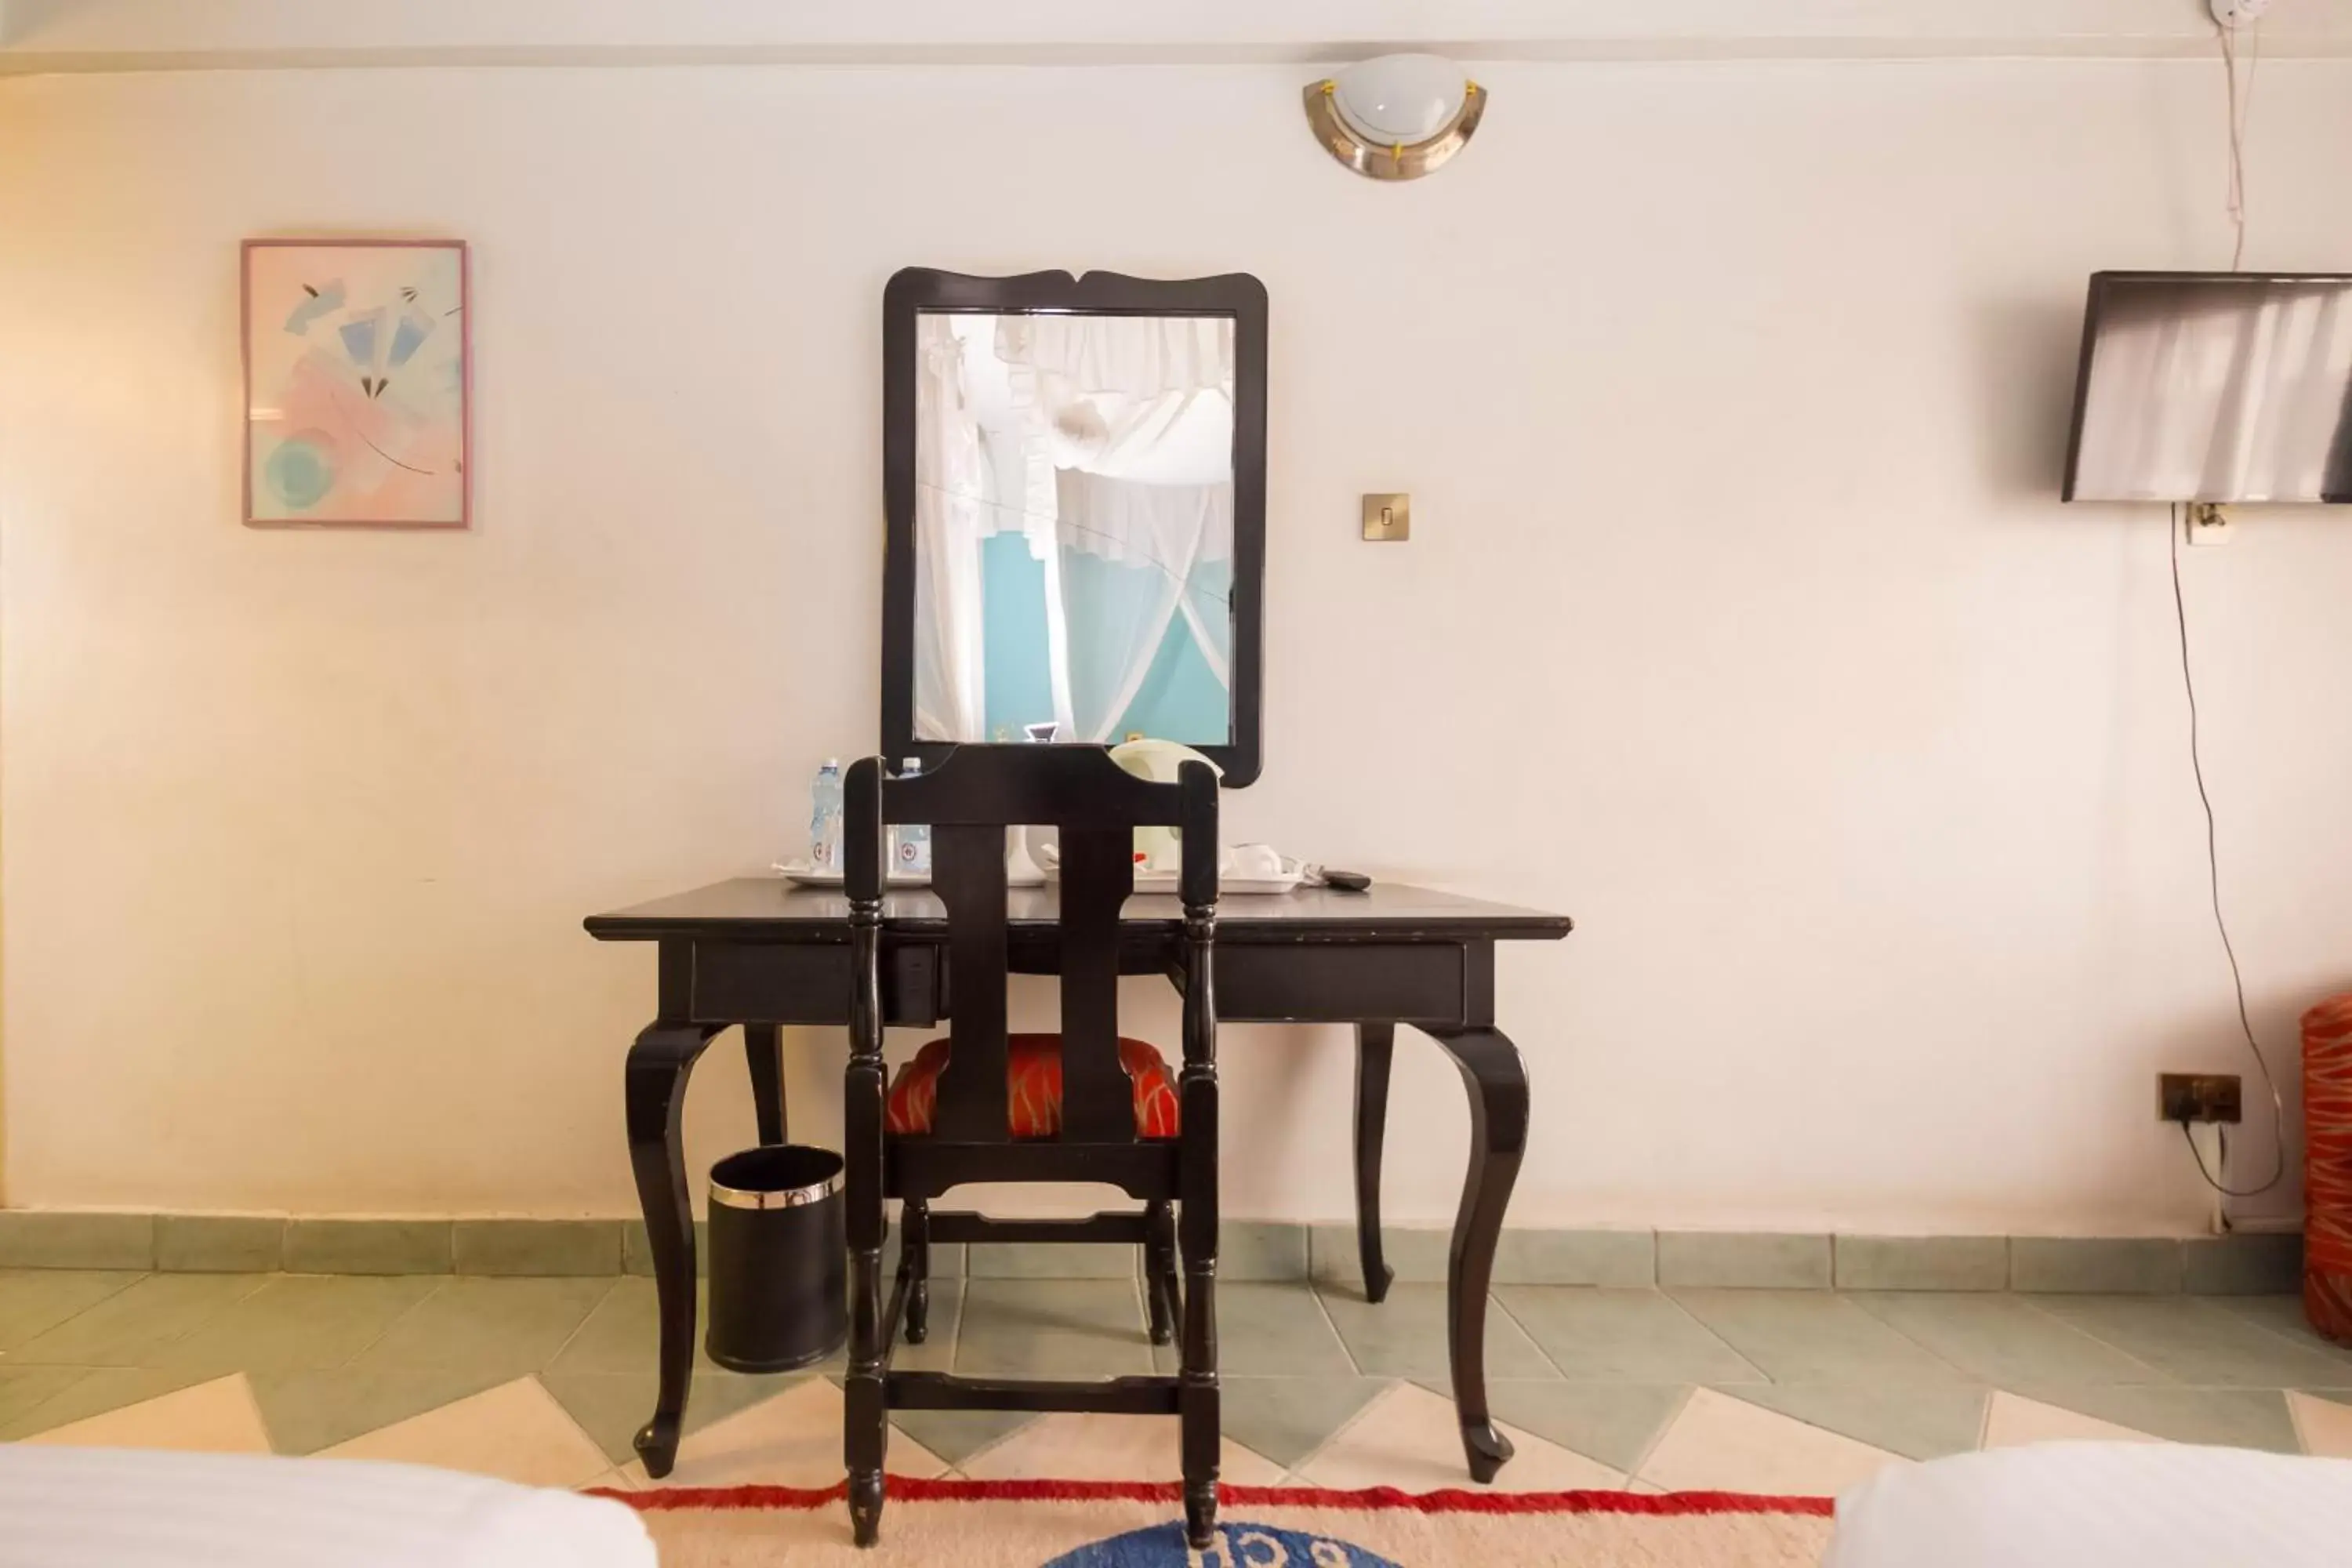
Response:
column 48, row 36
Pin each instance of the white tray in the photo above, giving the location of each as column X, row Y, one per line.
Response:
column 1165, row 881
column 801, row 874
column 805, row 875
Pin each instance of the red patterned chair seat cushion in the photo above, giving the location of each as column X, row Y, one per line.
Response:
column 1032, row 1080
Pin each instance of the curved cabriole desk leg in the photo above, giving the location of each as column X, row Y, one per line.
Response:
column 655, row 1095
column 1498, row 1083
column 1375, row 1046
column 763, row 1052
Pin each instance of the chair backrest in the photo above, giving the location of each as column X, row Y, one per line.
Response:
column 968, row 802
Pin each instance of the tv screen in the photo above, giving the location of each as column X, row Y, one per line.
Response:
column 2214, row 386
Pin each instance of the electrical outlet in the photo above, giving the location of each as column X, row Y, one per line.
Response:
column 2236, row 14
column 2205, row 523
column 2199, row 1097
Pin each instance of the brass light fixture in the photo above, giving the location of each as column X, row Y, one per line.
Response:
column 1396, row 117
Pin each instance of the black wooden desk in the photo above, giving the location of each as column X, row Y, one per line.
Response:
column 759, row 952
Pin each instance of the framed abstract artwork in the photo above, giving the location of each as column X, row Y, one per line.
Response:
column 357, row 380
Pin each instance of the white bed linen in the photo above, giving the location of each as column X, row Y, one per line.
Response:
column 2090, row 1505
column 112, row 1508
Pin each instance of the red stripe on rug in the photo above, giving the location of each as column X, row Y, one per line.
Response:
column 908, row 1488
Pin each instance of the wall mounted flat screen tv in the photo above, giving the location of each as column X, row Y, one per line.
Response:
column 2214, row 386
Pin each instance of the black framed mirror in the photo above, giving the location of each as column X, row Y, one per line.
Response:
column 1074, row 479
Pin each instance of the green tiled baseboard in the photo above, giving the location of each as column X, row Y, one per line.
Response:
column 1923, row 1262
column 36, row 1238
column 368, row 1246
column 538, row 1246
column 219, row 1243
column 1761, row 1259
column 2123, row 1266
column 2242, row 1264
column 1250, row 1250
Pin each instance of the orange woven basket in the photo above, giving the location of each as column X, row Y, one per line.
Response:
column 2327, row 1167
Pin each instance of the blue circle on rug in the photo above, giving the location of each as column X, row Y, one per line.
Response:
column 302, row 469
column 1236, row 1545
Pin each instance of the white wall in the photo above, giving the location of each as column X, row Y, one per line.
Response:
column 1740, row 619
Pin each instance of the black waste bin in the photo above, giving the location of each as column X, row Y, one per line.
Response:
column 778, row 1260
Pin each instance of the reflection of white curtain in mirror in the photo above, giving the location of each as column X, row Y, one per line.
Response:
column 1128, row 458
column 949, row 694
column 1100, row 439
column 2191, row 403
column 1166, row 533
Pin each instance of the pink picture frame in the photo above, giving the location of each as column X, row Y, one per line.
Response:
column 358, row 379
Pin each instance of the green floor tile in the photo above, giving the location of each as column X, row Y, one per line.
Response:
column 2004, row 1339
column 2230, row 1418
column 1270, row 1330
column 137, row 1326
column 35, row 1301
column 1614, row 1423
column 299, row 1322
column 1052, row 1328
column 610, row 1406
column 1812, row 1336
column 2283, row 1316
column 25, row 1389
column 501, row 1327
column 90, row 1391
column 1917, row 1420
column 1287, row 1418
column 937, row 1352
column 313, row 1408
column 2195, row 1340
column 1052, row 1260
column 1623, row 1336
column 623, row 1333
column 1404, row 1336
column 956, row 1436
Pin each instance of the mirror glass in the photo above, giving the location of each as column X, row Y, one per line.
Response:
column 1073, row 527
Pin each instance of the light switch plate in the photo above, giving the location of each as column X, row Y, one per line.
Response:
column 1388, row 516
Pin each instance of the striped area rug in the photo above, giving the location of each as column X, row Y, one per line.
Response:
column 1090, row 1524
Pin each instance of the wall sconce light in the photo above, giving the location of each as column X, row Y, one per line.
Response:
column 1395, row 116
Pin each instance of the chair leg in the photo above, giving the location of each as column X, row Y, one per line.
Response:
column 1197, row 1394
column 866, row 1415
column 915, row 1263
column 1159, row 1271
column 866, row 1406
column 1198, row 1401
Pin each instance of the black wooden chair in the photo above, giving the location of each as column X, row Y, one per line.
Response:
column 960, row 1126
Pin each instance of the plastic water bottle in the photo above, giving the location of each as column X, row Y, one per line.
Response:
column 824, row 817
column 911, row 842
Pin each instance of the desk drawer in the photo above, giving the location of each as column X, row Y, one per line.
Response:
column 1337, row 983
column 808, row 982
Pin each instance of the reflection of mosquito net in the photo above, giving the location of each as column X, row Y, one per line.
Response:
column 2234, row 392
column 1120, row 435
